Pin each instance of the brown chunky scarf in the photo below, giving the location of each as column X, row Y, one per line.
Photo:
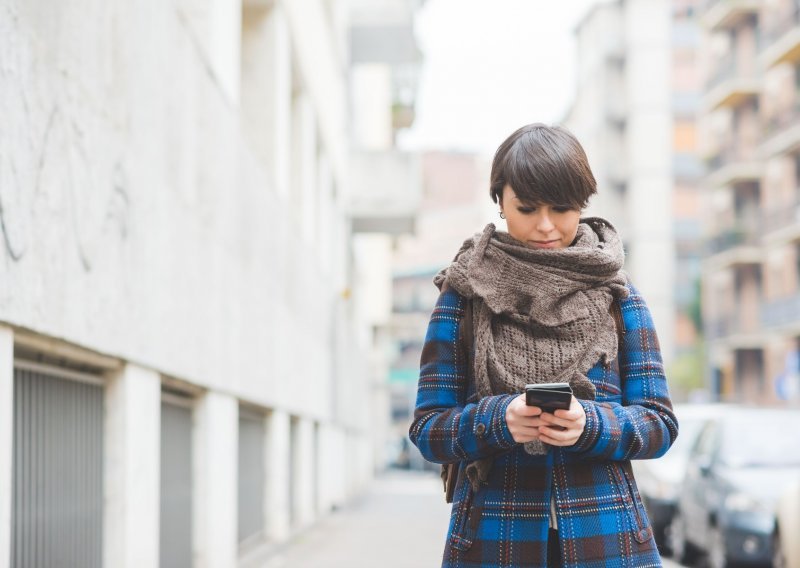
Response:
column 539, row 315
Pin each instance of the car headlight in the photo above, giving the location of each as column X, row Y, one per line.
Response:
column 742, row 503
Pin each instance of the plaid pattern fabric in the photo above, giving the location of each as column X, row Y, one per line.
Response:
column 601, row 520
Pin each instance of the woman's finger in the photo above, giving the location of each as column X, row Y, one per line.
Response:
column 557, row 438
column 548, row 419
column 553, row 433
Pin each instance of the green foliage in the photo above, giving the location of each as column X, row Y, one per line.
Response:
column 686, row 373
column 694, row 309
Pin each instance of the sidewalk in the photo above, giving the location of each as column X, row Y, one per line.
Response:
column 400, row 522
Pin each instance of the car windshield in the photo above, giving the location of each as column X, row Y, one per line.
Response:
column 762, row 439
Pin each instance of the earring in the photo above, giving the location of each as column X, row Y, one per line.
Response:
column 501, row 215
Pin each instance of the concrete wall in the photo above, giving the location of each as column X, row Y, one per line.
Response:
column 171, row 201
column 134, row 207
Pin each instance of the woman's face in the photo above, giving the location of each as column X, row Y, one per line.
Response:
column 540, row 225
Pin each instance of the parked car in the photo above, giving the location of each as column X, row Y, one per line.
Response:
column 786, row 553
column 660, row 480
column 740, row 465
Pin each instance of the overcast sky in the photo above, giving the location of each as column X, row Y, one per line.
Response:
column 491, row 66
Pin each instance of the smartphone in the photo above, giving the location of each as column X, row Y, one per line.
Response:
column 549, row 396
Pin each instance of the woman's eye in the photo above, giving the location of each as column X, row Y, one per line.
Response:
column 561, row 209
column 525, row 210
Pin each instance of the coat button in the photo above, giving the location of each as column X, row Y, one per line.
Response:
column 480, row 429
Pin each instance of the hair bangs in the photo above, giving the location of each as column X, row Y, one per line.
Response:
column 543, row 164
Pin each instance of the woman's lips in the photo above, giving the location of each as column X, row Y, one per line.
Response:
column 545, row 244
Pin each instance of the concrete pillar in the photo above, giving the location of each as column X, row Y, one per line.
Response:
column 304, row 468
column 266, row 95
column 132, row 468
column 214, row 494
column 6, row 440
column 326, row 467
column 304, row 165
column 331, row 480
column 224, row 44
column 339, row 485
column 372, row 96
column 277, row 469
column 325, row 237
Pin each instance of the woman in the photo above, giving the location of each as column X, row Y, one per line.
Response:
column 537, row 488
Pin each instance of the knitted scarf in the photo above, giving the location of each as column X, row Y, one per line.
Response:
column 539, row 315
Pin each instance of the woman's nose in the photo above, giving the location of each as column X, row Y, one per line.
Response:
column 544, row 225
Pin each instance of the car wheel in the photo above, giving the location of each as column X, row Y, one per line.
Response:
column 778, row 558
column 717, row 557
column 663, row 540
column 682, row 550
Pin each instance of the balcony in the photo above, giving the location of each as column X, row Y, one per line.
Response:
column 735, row 245
column 725, row 14
column 780, row 39
column 783, row 313
column 733, row 82
column 738, row 235
column 393, row 43
column 782, row 131
column 735, row 329
column 781, row 224
column 718, row 328
column 390, row 205
column 734, row 163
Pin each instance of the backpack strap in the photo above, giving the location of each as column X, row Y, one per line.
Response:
column 466, row 339
column 616, row 312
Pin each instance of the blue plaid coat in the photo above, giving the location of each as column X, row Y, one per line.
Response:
column 601, row 520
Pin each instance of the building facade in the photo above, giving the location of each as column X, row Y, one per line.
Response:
column 750, row 275
column 622, row 115
column 184, row 321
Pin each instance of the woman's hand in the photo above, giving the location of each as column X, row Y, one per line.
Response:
column 521, row 420
column 564, row 427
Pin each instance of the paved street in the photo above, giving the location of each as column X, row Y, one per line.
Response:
column 400, row 523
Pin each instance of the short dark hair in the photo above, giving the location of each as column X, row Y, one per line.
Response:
column 543, row 165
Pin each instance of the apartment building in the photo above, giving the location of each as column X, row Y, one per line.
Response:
column 184, row 325
column 455, row 205
column 751, row 271
column 779, row 57
column 622, row 115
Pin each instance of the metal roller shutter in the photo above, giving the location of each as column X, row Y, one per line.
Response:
column 176, row 482
column 251, row 476
column 57, row 510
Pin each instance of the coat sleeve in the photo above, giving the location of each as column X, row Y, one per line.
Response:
column 446, row 428
column 644, row 425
